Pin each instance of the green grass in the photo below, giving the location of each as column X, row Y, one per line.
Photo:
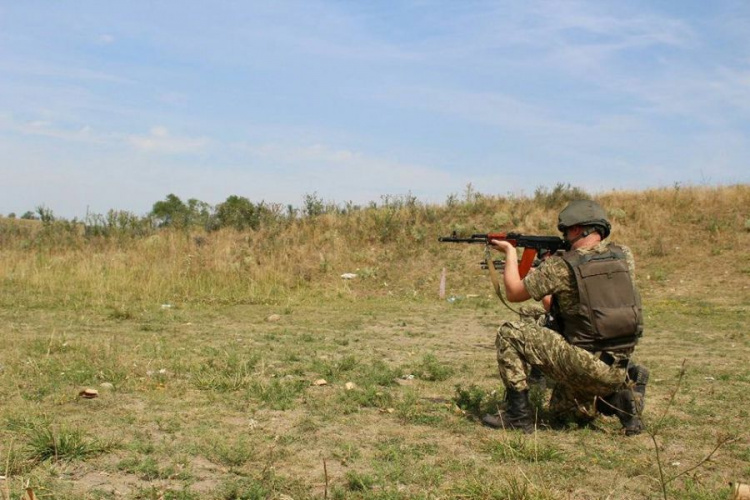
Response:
column 235, row 414
column 49, row 442
column 357, row 481
column 276, row 394
column 225, row 372
column 234, row 451
column 430, row 368
column 476, row 401
column 243, row 489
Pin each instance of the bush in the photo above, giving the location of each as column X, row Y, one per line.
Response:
column 560, row 195
column 476, row 401
column 173, row 212
column 433, row 370
column 239, row 213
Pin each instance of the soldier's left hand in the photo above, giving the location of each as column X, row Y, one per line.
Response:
column 501, row 245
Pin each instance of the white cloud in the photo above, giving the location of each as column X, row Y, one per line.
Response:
column 159, row 140
column 32, row 69
column 47, row 128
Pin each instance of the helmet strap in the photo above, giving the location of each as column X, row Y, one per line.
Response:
column 586, row 231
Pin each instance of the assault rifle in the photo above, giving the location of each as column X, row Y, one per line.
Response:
column 534, row 247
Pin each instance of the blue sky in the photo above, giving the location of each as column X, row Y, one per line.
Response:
column 115, row 105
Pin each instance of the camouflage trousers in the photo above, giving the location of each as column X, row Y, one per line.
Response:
column 579, row 375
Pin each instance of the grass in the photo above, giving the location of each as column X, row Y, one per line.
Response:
column 476, row 401
column 429, row 368
column 50, row 443
column 519, row 448
column 207, row 398
column 269, row 435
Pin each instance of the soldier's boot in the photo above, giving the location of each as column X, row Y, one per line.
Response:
column 622, row 404
column 518, row 414
column 638, row 374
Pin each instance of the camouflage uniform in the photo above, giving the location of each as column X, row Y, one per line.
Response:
column 580, row 375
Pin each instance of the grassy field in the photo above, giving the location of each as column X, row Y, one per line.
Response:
column 207, row 351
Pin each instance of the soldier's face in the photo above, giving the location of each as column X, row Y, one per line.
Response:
column 573, row 232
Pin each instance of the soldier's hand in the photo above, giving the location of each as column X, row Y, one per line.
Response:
column 501, row 246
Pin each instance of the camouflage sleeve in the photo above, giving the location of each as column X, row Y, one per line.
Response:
column 630, row 260
column 548, row 278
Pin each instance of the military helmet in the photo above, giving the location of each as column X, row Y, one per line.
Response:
column 584, row 213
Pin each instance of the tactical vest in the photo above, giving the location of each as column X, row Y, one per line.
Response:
column 609, row 316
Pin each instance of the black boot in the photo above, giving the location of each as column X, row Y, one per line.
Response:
column 622, row 404
column 537, row 379
column 518, row 414
column 638, row 375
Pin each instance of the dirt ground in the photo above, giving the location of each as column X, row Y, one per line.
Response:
column 221, row 403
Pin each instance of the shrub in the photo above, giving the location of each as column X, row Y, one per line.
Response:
column 559, row 195
column 433, row 370
column 476, row 401
column 239, row 213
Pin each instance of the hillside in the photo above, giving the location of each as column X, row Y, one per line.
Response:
column 681, row 236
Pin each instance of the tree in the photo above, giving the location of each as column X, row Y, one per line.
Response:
column 198, row 213
column 45, row 214
column 238, row 212
column 313, row 205
column 171, row 212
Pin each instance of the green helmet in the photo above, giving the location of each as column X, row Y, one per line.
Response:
column 584, row 213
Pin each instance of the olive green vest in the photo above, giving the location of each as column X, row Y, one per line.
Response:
column 609, row 316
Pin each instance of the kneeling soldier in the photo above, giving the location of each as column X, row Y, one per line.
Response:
column 589, row 292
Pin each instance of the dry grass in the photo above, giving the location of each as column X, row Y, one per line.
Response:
column 210, row 400
column 391, row 247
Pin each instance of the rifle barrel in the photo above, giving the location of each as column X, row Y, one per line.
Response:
column 451, row 239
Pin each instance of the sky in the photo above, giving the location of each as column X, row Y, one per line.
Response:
column 115, row 105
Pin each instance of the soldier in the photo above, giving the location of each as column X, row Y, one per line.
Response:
column 593, row 305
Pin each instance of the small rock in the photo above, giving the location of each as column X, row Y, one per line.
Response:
column 348, row 276
column 320, row 381
column 273, row 317
column 350, row 386
column 107, row 385
column 89, row 393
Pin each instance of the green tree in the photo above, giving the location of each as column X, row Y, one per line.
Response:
column 199, row 213
column 238, row 212
column 171, row 212
column 45, row 214
column 313, row 205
